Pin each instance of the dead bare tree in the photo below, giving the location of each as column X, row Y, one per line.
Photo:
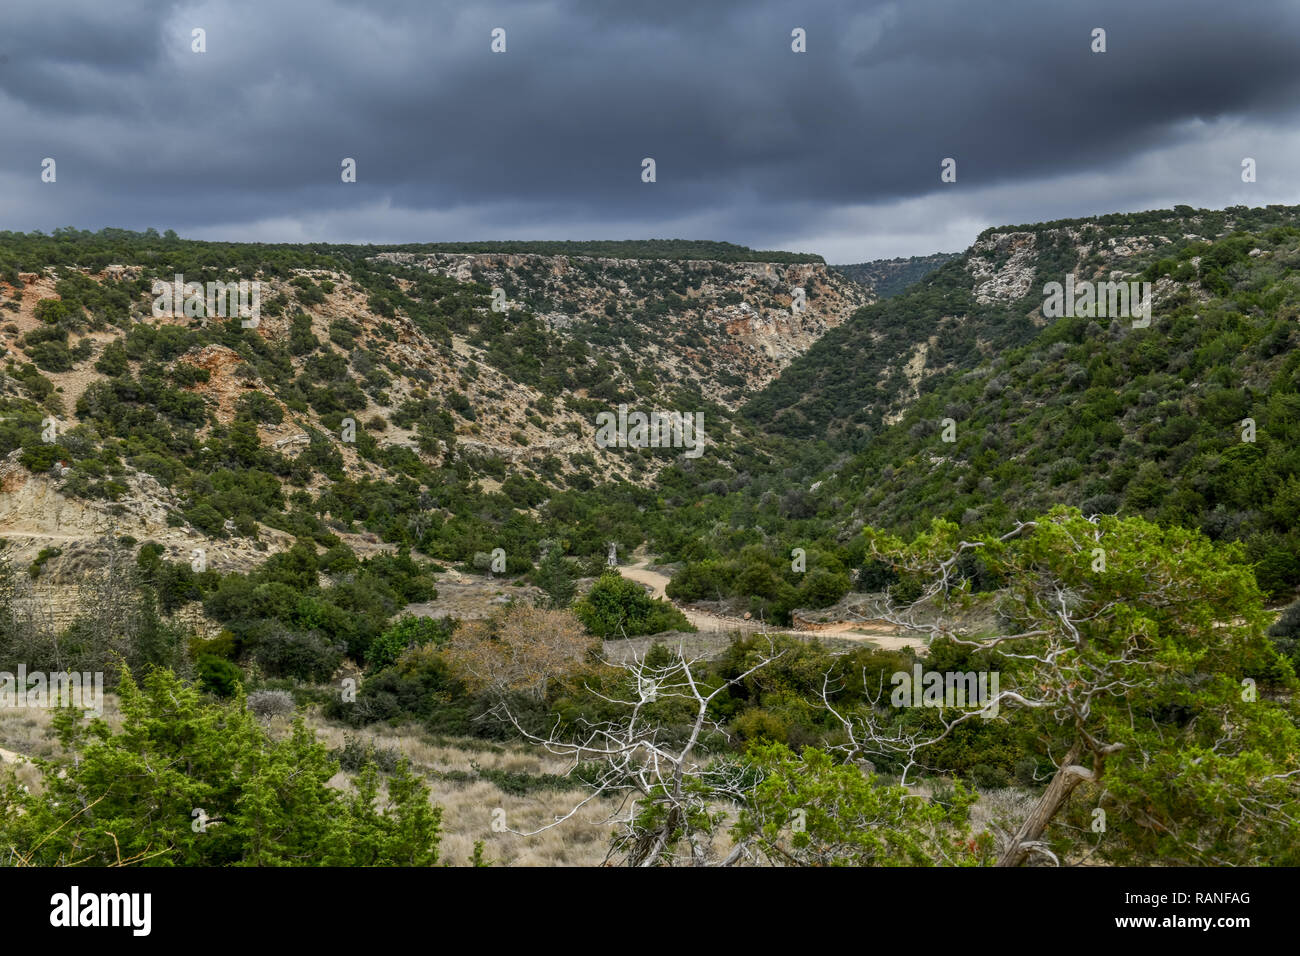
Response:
column 109, row 616
column 521, row 650
column 668, row 792
column 27, row 631
column 1123, row 670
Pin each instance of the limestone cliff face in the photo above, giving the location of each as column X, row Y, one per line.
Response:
column 727, row 327
column 1003, row 265
column 644, row 325
column 36, row 515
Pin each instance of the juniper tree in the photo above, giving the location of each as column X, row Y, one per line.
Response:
column 192, row 781
column 1135, row 657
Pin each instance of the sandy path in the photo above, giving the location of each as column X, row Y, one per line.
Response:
column 886, row 638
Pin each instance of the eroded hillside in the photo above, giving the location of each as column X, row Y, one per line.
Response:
column 366, row 368
column 997, row 410
column 860, row 378
column 725, row 329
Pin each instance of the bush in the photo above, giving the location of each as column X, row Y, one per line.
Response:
column 176, row 752
column 39, row 458
column 1027, row 772
column 420, row 686
column 823, row 588
column 987, row 777
column 875, row 575
column 38, row 563
column 304, row 655
column 207, row 519
column 407, row 632
column 261, row 408
column 1103, row 504
column 700, row 581
column 1285, row 633
column 555, row 576
column 521, row 650
column 759, row 724
column 906, row 591
column 217, row 676
column 270, row 703
column 112, row 361
column 354, row 755
column 50, row 356
column 616, row 607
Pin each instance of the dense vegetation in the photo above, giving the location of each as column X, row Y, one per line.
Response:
column 1193, row 422
column 697, row 249
column 838, row 480
column 1087, row 412
column 189, row 781
column 889, row 277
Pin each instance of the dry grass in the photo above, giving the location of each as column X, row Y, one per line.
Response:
column 30, row 730
column 469, row 806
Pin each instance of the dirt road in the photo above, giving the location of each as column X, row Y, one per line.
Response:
column 886, row 638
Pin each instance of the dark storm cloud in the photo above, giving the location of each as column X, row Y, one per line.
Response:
column 753, row 143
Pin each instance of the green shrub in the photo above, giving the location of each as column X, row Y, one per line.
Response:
column 304, row 655
column 1285, row 633
column 217, row 676
column 355, row 754
column 617, row 607
column 407, row 632
column 38, row 563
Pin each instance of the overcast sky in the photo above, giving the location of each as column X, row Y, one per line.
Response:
column 836, row 150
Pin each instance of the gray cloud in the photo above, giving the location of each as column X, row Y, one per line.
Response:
column 834, row 151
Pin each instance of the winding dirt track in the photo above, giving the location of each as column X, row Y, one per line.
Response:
column 886, row 638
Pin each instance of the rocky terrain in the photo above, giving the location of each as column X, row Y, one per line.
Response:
column 725, row 328
column 366, row 377
column 970, row 308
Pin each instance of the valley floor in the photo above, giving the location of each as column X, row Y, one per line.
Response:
column 476, row 783
column 883, row 636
